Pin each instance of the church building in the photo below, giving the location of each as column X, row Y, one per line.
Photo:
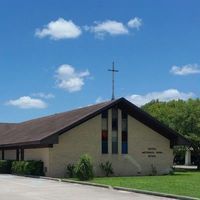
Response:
column 116, row 131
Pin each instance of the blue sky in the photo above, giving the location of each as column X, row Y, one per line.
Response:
column 54, row 55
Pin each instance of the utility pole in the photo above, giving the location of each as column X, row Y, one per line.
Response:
column 113, row 70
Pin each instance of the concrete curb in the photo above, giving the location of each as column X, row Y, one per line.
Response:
column 50, row 178
column 41, row 177
column 85, row 183
column 70, row 181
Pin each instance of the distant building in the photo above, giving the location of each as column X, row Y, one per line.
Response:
column 116, row 131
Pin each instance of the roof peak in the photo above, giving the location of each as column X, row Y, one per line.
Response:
column 60, row 113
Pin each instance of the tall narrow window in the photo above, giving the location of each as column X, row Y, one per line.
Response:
column 104, row 133
column 124, row 133
column 114, row 130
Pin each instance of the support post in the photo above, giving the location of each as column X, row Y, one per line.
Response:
column 22, row 154
column 188, row 157
column 3, row 154
column 17, row 154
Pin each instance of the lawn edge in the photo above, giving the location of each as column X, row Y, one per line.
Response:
column 132, row 190
column 160, row 194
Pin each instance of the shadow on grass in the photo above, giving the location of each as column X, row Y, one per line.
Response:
column 180, row 174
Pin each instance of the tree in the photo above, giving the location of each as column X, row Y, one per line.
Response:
column 182, row 116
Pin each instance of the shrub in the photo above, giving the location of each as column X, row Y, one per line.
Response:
column 107, row 168
column 15, row 167
column 84, row 168
column 5, row 166
column 30, row 167
column 71, row 170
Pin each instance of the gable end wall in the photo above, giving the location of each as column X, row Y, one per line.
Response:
column 86, row 138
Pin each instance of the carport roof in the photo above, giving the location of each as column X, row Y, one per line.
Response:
column 45, row 130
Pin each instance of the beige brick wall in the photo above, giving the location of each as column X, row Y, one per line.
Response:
column 86, row 138
column 10, row 154
column 38, row 154
column 142, row 141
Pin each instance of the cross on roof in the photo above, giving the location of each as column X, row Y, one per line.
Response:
column 113, row 70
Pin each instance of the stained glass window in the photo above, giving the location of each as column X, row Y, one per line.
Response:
column 124, row 133
column 114, row 130
column 104, row 133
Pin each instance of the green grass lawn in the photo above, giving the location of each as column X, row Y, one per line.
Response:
column 181, row 183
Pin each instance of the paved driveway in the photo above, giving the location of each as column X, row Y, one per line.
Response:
column 22, row 188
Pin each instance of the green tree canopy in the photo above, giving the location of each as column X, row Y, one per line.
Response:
column 182, row 116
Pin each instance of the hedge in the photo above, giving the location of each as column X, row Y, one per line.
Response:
column 30, row 167
column 5, row 166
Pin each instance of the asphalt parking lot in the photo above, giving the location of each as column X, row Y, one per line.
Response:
column 24, row 188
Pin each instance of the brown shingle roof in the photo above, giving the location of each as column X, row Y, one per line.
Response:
column 35, row 130
column 6, row 126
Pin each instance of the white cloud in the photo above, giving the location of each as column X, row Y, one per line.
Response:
column 43, row 95
column 135, row 23
column 66, row 29
column 166, row 95
column 110, row 27
column 70, row 80
column 99, row 100
column 59, row 29
column 185, row 69
column 27, row 102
